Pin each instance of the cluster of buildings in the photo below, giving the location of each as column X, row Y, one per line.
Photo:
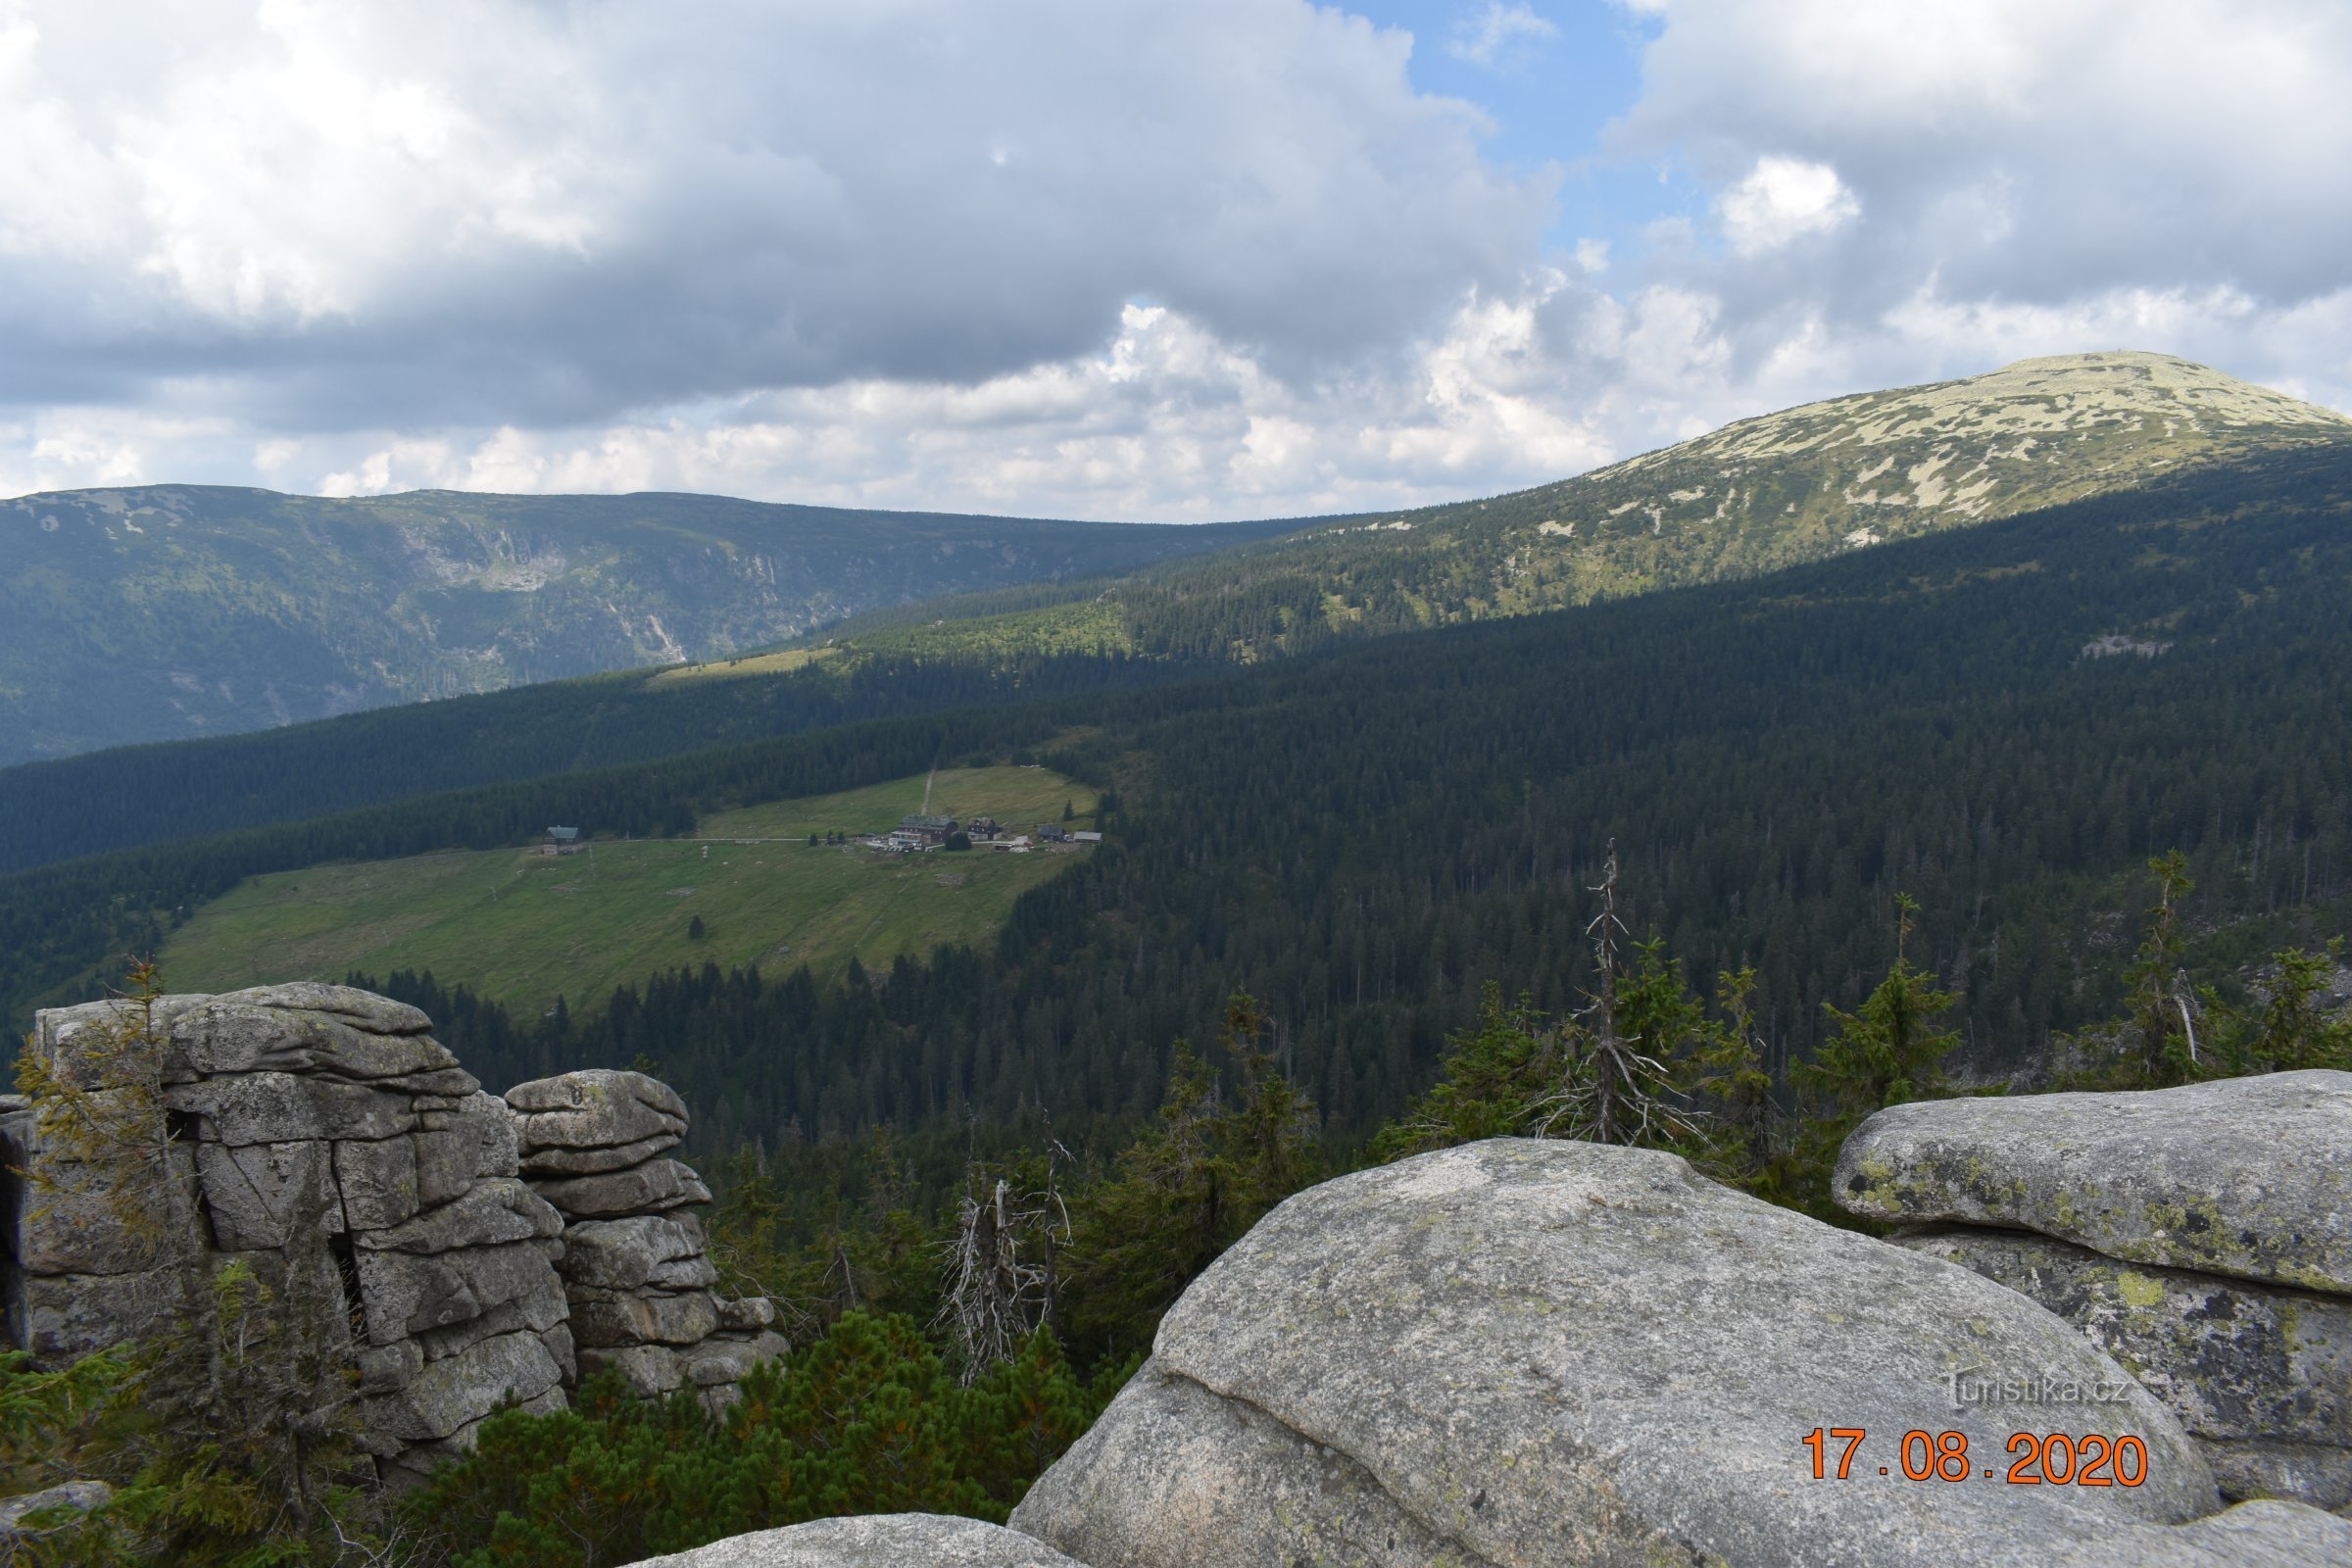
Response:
column 917, row 832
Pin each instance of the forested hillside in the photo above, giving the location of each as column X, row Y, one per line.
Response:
column 2003, row 723
column 174, row 610
column 137, row 794
column 1814, row 482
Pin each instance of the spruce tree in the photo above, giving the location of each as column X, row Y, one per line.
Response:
column 1887, row 1053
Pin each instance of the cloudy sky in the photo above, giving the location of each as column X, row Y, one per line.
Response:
column 1116, row 257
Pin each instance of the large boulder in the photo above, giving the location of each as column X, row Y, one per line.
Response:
column 1533, row 1352
column 2250, row 1177
column 79, row 1043
column 403, row 1294
column 308, row 1028
column 874, row 1541
column 598, row 1108
column 278, row 1107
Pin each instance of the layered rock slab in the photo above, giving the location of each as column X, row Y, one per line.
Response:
column 876, row 1541
column 2260, row 1376
column 1529, row 1352
column 637, row 1271
column 2248, row 1177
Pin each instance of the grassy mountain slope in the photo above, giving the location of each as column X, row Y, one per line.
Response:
column 174, row 610
column 524, row 928
column 1799, row 485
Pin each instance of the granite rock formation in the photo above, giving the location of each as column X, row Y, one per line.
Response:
column 322, row 1139
column 1520, row 1352
column 636, row 1267
column 2202, row 1236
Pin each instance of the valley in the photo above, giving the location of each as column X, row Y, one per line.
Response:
column 521, row 927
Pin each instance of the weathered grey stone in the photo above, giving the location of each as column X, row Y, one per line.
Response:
column 725, row 1359
column 277, row 1108
column 650, row 1370
column 661, row 1183
column 34, row 1514
column 558, row 1160
column 377, row 1181
column 72, row 1041
column 88, row 1220
column 255, row 1192
column 747, row 1312
column 561, row 1346
column 454, row 1392
column 540, row 1311
column 406, row 1466
column 876, row 1541
column 2319, row 1474
column 608, row 1318
column 363, row 1010
column 1168, row 1455
column 458, row 1146
column 2233, row 1360
column 1567, row 1352
column 599, row 1109
column 2250, row 1177
column 493, row 1211
column 661, row 1251
column 404, row 1294
column 66, row 1316
column 384, row 1369
column 415, row 1461
column 448, row 1083
column 245, row 1031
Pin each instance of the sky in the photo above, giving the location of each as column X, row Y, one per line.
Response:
column 1182, row 260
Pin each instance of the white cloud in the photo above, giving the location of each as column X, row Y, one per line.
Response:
column 1499, row 31
column 504, row 209
column 1168, row 424
column 1111, row 258
column 1781, row 200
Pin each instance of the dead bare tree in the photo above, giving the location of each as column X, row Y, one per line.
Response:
column 1001, row 1269
column 1610, row 1092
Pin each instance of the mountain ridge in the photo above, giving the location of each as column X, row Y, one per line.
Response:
column 164, row 611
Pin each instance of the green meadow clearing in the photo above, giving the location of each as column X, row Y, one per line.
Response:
column 526, row 927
